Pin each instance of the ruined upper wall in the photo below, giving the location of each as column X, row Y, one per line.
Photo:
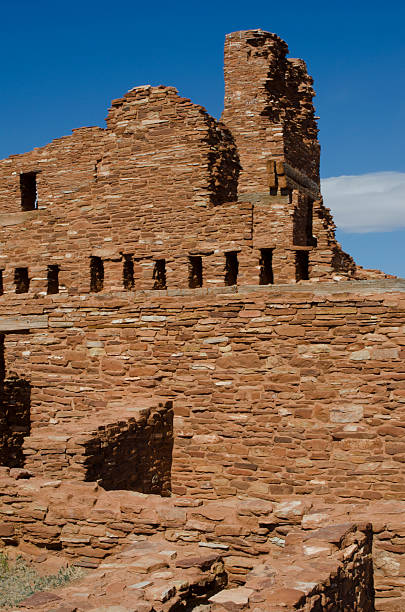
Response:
column 153, row 199
column 150, row 186
column 268, row 108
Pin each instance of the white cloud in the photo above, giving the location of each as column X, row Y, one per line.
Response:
column 372, row 202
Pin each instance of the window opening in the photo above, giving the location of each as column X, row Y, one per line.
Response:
column 128, row 272
column 195, row 272
column 266, row 267
column 1, row 282
column 53, row 279
column 231, row 268
column 21, row 280
column 96, row 274
column 159, row 274
column 309, row 228
column 28, row 188
column 301, row 265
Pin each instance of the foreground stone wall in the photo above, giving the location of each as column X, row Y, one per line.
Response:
column 299, row 553
column 147, row 577
column 273, row 393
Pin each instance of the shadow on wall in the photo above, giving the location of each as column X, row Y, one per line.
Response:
column 15, row 419
column 135, row 456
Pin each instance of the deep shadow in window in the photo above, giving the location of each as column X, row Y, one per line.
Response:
column 231, row 268
column 96, row 274
column 159, row 274
column 28, row 188
column 15, row 415
column 266, row 267
column 53, row 279
column 195, row 271
column 128, row 272
column 301, row 265
column 21, row 280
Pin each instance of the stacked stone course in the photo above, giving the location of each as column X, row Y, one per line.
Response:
column 189, row 359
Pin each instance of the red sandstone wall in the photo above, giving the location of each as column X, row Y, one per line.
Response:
column 268, row 108
column 273, row 393
column 145, row 186
column 161, row 182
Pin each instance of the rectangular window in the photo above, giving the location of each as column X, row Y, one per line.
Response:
column 53, row 279
column 309, row 222
column 301, row 265
column 128, row 272
column 1, row 282
column 231, row 268
column 195, row 272
column 21, row 280
column 28, row 188
column 266, row 267
column 96, row 274
column 159, row 274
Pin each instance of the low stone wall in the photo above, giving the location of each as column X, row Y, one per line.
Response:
column 89, row 524
column 143, row 577
column 134, row 452
column 327, row 569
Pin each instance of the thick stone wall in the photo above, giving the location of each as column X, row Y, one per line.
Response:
column 133, row 452
column 268, row 108
column 174, row 258
column 126, row 207
column 273, row 393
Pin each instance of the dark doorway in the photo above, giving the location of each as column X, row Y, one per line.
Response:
column 159, row 274
column 96, row 274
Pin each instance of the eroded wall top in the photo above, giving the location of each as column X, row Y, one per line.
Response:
column 268, row 108
column 167, row 197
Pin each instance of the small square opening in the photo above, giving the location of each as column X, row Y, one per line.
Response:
column 128, row 272
column 266, row 267
column 96, row 274
column 301, row 265
column 21, row 280
column 53, row 279
column 28, row 189
column 159, row 274
column 231, row 268
column 195, row 272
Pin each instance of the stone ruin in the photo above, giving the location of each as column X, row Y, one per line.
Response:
column 202, row 395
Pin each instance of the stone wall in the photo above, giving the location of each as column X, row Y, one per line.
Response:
column 134, row 452
column 328, row 569
column 160, row 184
column 300, row 552
column 274, row 393
column 174, row 258
column 268, row 102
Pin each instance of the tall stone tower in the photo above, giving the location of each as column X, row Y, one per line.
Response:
column 268, row 108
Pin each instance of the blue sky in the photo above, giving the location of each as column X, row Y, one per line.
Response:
column 63, row 62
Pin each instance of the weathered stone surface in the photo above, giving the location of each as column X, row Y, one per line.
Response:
column 191, row 366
